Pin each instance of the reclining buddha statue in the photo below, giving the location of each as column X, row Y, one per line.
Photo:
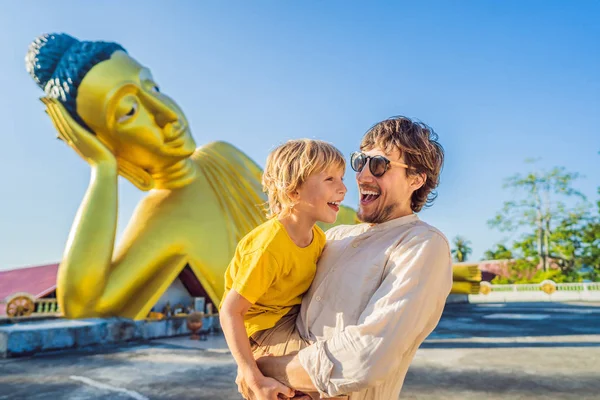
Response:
column 107, row 107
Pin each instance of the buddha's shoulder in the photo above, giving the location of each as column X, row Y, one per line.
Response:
column 219, row 146
column 225, row 152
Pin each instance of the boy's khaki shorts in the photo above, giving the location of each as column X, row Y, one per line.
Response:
column 280, row 340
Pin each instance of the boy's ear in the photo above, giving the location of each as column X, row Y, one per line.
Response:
column 294, row 195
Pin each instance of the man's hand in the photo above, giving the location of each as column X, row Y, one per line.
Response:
column 302, row 396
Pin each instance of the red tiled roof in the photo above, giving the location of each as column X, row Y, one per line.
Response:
column 41, row 280
column 496, row 267
column 37, row 281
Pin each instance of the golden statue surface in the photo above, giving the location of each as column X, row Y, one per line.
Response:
column 201, row 201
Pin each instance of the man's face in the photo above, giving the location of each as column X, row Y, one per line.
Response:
column 386, row 197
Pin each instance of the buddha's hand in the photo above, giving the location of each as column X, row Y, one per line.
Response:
column 86, row 144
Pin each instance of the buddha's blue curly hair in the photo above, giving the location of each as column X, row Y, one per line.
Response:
column 58, row 62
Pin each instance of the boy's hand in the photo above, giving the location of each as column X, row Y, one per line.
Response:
column 263, row 388
column 269, row 389
column 242, row 386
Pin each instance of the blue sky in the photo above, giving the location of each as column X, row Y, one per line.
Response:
column 499, row 82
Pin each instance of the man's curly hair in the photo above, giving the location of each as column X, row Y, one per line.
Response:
column 418, row 145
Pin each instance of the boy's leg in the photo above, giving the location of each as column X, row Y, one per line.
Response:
column 282, row 339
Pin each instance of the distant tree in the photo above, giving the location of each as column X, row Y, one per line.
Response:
column 499, row 253
column 540, row 210
column 590, row 245
column 462, row 249
column 521, row 270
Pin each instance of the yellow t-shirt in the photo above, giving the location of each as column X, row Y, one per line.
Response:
column 272, row 272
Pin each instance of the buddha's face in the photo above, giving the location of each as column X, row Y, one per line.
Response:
column 122, row 104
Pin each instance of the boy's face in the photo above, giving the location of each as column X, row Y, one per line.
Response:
column 320, row 195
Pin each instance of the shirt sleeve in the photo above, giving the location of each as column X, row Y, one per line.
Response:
column 399, row 316
column 333, row 233
column 255, row 273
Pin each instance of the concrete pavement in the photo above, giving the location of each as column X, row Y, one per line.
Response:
column 492, row 351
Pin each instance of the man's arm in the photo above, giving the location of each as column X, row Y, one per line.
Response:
column 399, row 315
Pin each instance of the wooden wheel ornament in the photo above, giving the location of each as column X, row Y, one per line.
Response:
column 20, row 305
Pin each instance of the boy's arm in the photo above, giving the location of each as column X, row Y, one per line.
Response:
column 233, row 309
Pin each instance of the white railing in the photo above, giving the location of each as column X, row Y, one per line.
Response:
column 544, row 291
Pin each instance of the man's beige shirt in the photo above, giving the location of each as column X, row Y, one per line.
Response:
column 378, row 293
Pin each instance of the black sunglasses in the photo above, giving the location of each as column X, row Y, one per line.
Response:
column 378, row 165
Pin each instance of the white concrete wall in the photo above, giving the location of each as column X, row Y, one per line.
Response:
column 535, row 296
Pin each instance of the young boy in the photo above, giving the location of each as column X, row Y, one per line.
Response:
column 275, row 263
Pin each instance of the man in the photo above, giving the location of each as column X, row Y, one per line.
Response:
column 381, row 285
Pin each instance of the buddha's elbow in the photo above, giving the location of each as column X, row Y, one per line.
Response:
column 75, row 302
column 71, row 309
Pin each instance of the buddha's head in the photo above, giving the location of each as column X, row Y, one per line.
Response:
column 115, row 98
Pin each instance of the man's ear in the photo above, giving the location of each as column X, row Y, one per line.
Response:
column 418, row 181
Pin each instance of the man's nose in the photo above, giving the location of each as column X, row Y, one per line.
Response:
column 365, row 174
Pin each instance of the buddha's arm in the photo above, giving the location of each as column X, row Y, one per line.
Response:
column 91, row 282
column 148, row 258
column 87, row 257
column 94, row 279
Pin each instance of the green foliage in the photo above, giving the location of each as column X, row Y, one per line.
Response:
column 462, row 249
column 561, row 240
column 520, row 271
column 528, row 271
column 499, row 253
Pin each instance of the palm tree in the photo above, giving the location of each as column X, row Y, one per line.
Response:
column 462, row 248
column 501, row 252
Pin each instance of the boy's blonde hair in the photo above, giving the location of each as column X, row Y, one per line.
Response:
column 290, row 165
